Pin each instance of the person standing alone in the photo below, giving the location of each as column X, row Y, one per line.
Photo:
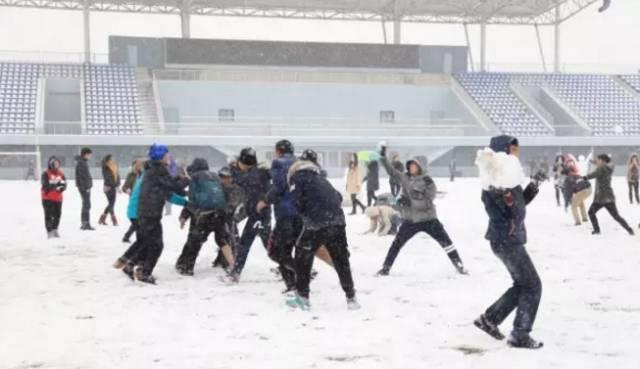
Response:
column 354, row 184
column 111, row 179
column 633, row 177
column 373, row 181
column 53, row 185
column 84, row 182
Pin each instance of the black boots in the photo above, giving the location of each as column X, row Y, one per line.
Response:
column 488, row 327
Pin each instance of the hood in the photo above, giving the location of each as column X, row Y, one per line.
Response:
column 416, row 162
column 501, row 143
column 52, row 160
column 302, row 165
column 198, row 165
column 499, row 170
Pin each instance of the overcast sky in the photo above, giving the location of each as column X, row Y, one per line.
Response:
column 590, row 41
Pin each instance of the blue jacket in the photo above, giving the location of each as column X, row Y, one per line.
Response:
column 132, row 208
column 318, row 203
column 279, row 194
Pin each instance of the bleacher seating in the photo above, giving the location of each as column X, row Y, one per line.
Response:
column 493, row 94
column 604, row 105
column 110, row 96
column 632, row 80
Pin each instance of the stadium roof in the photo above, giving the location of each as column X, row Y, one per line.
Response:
column 541, row 12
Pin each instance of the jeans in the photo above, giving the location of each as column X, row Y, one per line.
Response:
column 111, row 202
column 132, row 229
column 525, row 293
column 252, row 229
column 355, row 203
column 633, row 192
column 86, row 206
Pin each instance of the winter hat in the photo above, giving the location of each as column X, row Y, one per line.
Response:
column 158, row 151
column 248, row 156
column 605, row 157
column 225, row 172
column 85, row 150
column 309, row 155
column 198, row 165
column 285, row 146
column 503, row 143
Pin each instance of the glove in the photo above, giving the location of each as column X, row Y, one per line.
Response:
column 382, row 149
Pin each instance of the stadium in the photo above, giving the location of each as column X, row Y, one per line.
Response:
column 209, row 97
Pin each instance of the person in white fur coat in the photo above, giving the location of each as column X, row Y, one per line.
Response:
column 505, row 202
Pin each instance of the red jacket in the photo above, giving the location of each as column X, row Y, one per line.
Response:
column 53, row 185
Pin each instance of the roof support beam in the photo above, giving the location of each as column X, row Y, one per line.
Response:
column 483, row 47
column 86, row 28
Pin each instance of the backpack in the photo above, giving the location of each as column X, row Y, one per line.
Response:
column 207, row 193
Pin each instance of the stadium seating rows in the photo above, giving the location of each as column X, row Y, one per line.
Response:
column 599, row 100
column 110, row 95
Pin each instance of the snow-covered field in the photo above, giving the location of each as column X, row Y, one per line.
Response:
column 63, row 306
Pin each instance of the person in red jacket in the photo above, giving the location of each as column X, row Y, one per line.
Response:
column 53, row 185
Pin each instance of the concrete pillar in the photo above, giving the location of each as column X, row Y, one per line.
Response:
column 397, row 31
column 556, row 42
column 185, row 22
column 86, row 34
column 483, row 47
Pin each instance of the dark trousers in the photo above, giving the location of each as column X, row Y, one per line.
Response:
column 234, row 239
column 408, row 229
column 200, row 228
column 633, row 192
column 612, row 209
column 52, row 213
column 253, row 228
column 86, row 206
column 334, row 238
column 371, row 197
column 281, row 244
column 151, row 242
column 132, row 229
column 111, row 202
column 134, row 254
column 355, row 203
column 524, row 294
column 395, row 188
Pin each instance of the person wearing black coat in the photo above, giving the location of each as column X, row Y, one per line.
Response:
column 256, row 182
column 505, row 202
column 111, row 179
column 373, row 181
column 84, row 182
column 156, row 188
column 320, row 207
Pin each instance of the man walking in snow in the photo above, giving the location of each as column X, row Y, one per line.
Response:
column 505, row 202
column 84, row 182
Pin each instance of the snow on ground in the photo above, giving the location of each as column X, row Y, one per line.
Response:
column 63, row 306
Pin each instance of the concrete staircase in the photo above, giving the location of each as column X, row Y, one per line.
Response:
column 146, row 100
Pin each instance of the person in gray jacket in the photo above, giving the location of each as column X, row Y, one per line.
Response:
column 604, row 197
column 418, row 212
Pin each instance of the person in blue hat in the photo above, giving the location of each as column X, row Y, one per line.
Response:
column 505, row 198
column 156, row 188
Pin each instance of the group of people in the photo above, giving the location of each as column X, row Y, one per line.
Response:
column 310, row 220
column 573, row 188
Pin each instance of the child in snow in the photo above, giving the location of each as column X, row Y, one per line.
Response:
column 604, row 196
column 418, row 213
column 54, row 184
column 320, row 207
column 505, row 202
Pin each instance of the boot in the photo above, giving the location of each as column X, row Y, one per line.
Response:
column 114, row 220
column 460, row 268
column 352, row 304
column 86, row 227
column 383, row 272
column 524, row 341
column 56, row 234
column 488, row 327
column 120, row 263
column 50, row 235
column 103, row 219
column 128, row 271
